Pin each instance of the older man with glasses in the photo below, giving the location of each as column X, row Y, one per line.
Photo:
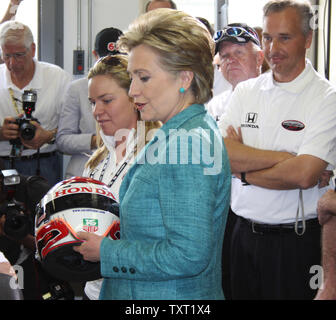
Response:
column 240, row 57
column 22, row 73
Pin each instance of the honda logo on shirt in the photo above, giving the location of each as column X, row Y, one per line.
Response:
column 251, row 117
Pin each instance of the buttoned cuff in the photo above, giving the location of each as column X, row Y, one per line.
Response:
column 111, row 265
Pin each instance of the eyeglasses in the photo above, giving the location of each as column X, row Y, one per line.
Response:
column 16, row 55
column 245, row 33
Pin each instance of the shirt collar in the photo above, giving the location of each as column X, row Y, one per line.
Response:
column 296, row 86
column 109, row 141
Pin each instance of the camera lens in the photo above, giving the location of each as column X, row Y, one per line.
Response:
column 16, row 225
column 27, row 131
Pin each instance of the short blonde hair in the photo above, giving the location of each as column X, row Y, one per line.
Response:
column 182, row 42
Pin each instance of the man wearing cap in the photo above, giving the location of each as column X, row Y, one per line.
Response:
column 280, row 133
column 76, row 134
column 21, row 72
column 240, row 58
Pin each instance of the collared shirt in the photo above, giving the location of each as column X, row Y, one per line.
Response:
column 298, row 117
column 50, row 82
column 217, row 105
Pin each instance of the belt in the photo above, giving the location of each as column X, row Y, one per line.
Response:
column 261, row 228
column 31, row 157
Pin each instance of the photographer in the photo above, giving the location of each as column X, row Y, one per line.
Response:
column 19, row 196
column 22, row 72
column 17, row 205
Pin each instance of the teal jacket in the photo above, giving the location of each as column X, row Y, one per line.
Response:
column 173, row 207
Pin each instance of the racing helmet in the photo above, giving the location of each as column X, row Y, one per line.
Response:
column 73, row 205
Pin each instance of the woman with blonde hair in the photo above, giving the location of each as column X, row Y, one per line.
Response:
column 174, row 199
column 115, row 113
column 120, row 131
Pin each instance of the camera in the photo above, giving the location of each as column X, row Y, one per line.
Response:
column 26, row 129
column 17, row 224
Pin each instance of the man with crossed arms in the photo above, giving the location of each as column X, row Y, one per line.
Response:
column 280, row 133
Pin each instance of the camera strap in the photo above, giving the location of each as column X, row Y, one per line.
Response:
column 14, row 101
column 16, row 150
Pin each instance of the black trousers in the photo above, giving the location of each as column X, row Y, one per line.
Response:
column 273, row 265
column 226, row 255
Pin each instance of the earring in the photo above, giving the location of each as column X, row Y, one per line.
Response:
column 182, row 90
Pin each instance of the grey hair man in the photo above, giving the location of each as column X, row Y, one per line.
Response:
column 241, row 58
column 22, row 72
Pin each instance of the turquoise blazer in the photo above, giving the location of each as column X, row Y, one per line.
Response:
column 173, row 207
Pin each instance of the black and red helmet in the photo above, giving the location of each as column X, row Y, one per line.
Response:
column 73, row 205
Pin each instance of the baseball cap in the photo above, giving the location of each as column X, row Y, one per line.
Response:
column 106, row 41
column 236, row 33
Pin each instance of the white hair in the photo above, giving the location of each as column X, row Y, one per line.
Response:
column 15, row 32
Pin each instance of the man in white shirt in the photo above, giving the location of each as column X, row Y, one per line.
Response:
column 280, row 133
column 20, row 72
column 240, row 57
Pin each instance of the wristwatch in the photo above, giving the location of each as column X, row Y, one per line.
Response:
column 53, row 140
column 243, row 179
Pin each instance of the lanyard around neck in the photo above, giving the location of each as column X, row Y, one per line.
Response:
column 15, row 106
column 117, row 174
column 119, row 168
